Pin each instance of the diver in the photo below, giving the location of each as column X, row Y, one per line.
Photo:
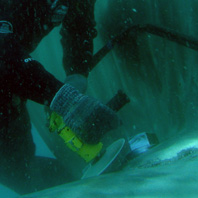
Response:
column 23, row 24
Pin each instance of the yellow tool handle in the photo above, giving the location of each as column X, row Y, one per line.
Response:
column 86, row 151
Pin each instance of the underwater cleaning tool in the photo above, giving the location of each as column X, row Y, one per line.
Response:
column 104, row 162
column 116, row 156
column 182, row 39
column 141, row 143
column 134, row 31
column 84, row 150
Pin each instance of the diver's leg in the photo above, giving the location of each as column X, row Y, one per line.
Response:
column 16, row 149
column 78, row 31
column 75, row 60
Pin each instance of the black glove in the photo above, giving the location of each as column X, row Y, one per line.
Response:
column 86, row 116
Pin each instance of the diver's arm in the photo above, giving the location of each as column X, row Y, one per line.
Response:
column 78, row 31
column 30, row 80
column 23, row 75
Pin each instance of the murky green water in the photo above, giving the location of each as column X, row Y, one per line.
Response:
column 161, row 79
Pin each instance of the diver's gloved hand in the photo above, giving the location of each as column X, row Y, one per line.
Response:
column 78, row 81
column 86, row 116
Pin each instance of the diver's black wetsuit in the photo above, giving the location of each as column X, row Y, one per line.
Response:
column 22, row 78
